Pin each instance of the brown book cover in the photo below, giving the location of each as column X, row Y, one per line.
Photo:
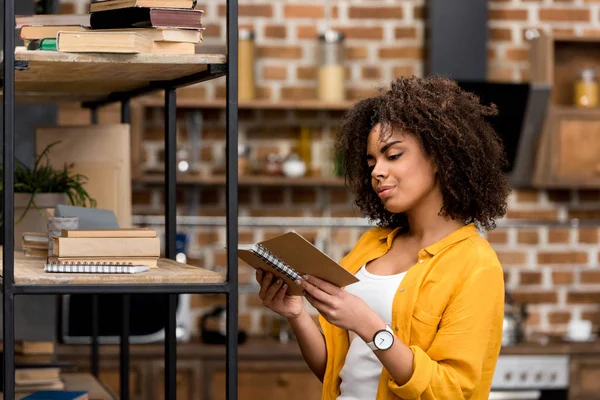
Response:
column 164, row 34
column 36, row 376
column 142, row 17
column 55, row 385
column 106, row 247
column 116, row 4
column 33, row 32
column 26, row 245
column 173, row 48
column 52, row 19
column 43, row 359
column 103, row 42
column 290, row 255
column 35, row 253
column 108, row 233
column 33, row 347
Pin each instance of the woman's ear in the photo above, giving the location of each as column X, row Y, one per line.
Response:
column 434, row 167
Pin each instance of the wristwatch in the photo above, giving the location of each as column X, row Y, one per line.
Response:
column 382, row 340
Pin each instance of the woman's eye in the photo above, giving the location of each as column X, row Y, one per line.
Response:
column 394, row 156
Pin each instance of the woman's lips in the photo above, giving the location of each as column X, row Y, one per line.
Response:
column 385, row 193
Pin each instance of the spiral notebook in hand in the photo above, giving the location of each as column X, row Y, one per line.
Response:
column 289, row 256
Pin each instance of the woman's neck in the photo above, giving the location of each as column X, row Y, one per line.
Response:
column 425, row 224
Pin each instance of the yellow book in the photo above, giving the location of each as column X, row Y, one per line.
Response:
column 108, row 233
column 163, row 34
column 33, row 347
column 106, row 247
column 34, row 32
column 173, row 48
column 103, row 42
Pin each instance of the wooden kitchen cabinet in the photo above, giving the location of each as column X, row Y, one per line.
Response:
column 188, row 380
column 267, row 369
column 271, row 370
column 569, row 154
column 272, row 379
column 584, row 378
column 568, row 149
column 109, row 374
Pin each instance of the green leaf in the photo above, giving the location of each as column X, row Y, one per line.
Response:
column 42, row 178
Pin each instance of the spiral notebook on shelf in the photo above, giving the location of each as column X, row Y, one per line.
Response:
column 289, row 256
column 94, row 268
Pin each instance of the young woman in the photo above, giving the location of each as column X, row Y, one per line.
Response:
column 425, row 319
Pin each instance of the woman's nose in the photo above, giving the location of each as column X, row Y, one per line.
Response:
column 379, row 172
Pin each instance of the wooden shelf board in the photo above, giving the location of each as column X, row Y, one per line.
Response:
column 243, row 181
column 30, row 271
column 55, row 76
column 188, row 102
column 576, row 111
column 573, row 38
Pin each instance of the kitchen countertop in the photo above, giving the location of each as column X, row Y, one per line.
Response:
column 579, row 348
column 257, row 348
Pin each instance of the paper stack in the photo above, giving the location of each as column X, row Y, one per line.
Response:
column 35, row 244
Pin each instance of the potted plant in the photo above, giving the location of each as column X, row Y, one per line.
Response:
column 42, row 187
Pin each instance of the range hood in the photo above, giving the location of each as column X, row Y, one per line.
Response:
column 522, row 109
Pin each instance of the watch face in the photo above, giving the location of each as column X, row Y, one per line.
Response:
column 383, row 340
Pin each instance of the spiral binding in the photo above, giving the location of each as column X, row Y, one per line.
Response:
column 88, row 267
column 275, row 262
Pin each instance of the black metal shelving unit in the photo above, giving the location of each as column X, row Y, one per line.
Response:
column 230, row 288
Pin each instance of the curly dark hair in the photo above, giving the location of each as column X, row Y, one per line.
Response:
column 452, row 127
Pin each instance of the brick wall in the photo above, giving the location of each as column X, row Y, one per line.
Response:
column 552, row 269
column 510, row 19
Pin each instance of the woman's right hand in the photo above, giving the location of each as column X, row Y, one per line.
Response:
column 273, row 295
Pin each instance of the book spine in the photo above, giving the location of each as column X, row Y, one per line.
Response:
column 275, row 262
column 106, row 247
column 108, row 233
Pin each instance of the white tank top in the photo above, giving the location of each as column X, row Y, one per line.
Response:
column 362, row 369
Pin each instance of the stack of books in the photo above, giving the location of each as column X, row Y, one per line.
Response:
column 34, row 369
column 33, row 378
column 35, row 244
column 118, row 26
column 106, row 247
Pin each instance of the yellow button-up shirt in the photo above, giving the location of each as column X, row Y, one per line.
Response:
column 448, row 309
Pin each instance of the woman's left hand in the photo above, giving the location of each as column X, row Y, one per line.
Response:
column 336, row 305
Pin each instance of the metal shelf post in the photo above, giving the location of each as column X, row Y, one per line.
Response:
column 124, row 362
column 231, row 110
column 8, row 108
column 170, row 236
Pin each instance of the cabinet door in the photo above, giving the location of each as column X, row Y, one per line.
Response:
column 188, row 381
column 579, row 149
column 583, row 379
column 573, row 155
column 111, row 378
column 289, row 385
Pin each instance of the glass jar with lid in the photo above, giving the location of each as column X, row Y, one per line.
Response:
column 586, row 88
column 331, row 57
